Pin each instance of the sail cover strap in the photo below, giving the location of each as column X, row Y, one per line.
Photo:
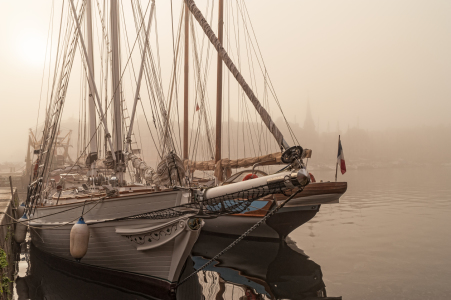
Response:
column 225, row 57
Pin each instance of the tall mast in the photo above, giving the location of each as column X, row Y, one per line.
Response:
column 92, row 157
column 219, row 86
column 116, row 86
column 185, row 111
column 94, row 87
column 28, row 159
column 107, row 63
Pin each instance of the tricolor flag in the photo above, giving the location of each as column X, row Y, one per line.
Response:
column 341, row 158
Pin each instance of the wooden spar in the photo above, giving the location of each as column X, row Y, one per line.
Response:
column 320, row 188
column 92, row 106
column 13, row 201
column 28, row 159
column 117, row 138
column 117, row 91
column 185, row 92
column 219, row 85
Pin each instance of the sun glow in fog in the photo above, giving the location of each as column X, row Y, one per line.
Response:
column 30, row 48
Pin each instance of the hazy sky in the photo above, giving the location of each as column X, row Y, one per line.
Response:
column 380, row 63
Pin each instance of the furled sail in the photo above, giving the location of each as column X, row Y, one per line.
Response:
column 225, row 57
column 142, row 170
column 170, row 171
column 227, row 164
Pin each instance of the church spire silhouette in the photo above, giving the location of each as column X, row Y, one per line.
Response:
column 309, row 124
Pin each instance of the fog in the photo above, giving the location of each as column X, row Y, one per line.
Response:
column 378, row 73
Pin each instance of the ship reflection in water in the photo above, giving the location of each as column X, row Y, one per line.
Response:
column 253, row 269
column 37, row 279
column 256, row 269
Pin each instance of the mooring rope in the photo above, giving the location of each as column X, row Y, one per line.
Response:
column 56, row 213
column 271, row 213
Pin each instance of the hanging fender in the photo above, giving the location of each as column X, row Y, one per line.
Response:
column 79, row 239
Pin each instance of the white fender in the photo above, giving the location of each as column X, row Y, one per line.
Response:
column 20, row 210
column 79, row 239
column 21, row 229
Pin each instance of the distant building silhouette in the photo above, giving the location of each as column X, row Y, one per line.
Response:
column 309, row 124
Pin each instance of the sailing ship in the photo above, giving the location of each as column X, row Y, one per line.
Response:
column 144, row 223
column 303, row 206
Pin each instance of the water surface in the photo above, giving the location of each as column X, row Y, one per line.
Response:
column 389, row 238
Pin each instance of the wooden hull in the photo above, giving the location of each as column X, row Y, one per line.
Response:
column 147, row 248
column 316, row 193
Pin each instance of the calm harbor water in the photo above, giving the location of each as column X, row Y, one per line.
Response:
column 389, row 238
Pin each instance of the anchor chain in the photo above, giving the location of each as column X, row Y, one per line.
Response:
column 271, row 213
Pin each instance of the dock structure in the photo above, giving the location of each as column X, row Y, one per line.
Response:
column 9, row 199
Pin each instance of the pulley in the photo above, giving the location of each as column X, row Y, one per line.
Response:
column 291, row 154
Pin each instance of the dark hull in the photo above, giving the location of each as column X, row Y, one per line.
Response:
column 288, row 219
column 282, row 271
column 276, row 227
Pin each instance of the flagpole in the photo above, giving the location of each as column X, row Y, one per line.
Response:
column 336, row 166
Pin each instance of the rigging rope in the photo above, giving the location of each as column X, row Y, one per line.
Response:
column 43, row 70
column 293, row 136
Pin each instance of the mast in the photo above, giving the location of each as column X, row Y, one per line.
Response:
column 185, row 105
column 28, row 159
column 116, row 86
column 94, row 87
column 92, row 157
column 107, row 63
column 219, row 85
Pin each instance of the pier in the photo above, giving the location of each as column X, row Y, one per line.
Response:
column 9, row 199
